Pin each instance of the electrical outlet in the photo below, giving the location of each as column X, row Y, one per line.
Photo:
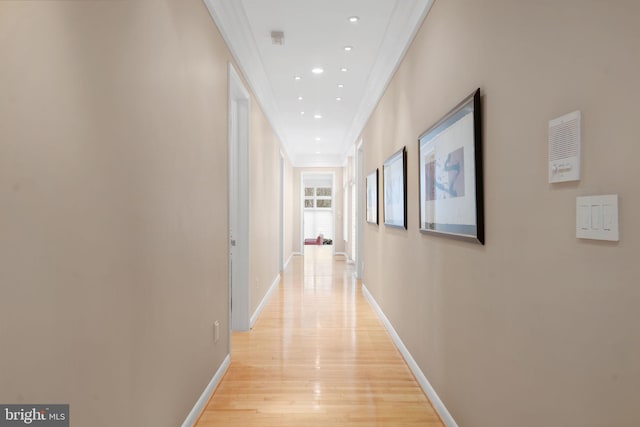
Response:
column 216, row 331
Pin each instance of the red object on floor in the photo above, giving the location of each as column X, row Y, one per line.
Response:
column 317, row 241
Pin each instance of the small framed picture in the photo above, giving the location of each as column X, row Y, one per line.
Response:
column 372, row 197
column 394, row 172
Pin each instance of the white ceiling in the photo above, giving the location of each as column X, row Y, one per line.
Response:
column 315, row 34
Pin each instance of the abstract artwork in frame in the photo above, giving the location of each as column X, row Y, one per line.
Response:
column 394, row 173
column 451, row 189
column 372, row 197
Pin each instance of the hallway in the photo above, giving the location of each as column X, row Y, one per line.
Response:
column 317, row 356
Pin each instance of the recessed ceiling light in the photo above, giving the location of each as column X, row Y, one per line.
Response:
column 338, row 99
column 302, row 113
column 317, row 116
column 348, row 48
column 340, row 85
column 317, row 138
column 353, row 19
column 318, row 152
column 343, row 69
column 300, row 98
column 297, row 77
column 317, row 70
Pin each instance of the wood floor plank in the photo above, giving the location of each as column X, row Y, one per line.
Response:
column 317, row 356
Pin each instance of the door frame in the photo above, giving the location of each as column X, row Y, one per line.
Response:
column 360, row 203
column 281, row 214
column 239, row 232
column 334, row 211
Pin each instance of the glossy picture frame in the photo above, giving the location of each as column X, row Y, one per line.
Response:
column 372, row 197
column 450, row 185
column 394, row 176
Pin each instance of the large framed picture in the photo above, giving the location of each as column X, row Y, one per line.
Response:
column 372, row 197
column 451, row 190
column 394, row 173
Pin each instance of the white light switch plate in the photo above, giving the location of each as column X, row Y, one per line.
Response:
column 597, row 218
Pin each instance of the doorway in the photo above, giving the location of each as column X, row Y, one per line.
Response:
column 318, row 209
column 238, row 203
column 281, row 260
column 359, row 211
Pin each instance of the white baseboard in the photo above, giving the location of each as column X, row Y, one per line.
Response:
column 446, row 417
column 344, row 254
column 286, row 264
column 256, row 313
column 206, row 394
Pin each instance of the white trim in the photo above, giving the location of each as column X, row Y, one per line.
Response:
column 446, row 417
column 281, row 214
column 359, row 246
column 405, row 21
column 334, row 211
column 239, row 202
column 286, row 264
column 264, row 301
column 197, row 409
column 344, row 254
column 231, row 19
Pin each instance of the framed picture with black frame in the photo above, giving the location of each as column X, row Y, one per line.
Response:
column 372, row 197
column 394, row 174
column 451, row 188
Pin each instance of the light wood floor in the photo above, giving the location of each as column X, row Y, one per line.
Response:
column 318, row 356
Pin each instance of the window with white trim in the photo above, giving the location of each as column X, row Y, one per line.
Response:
column 317, row 197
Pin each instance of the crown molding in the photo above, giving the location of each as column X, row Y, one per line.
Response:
column 231, row 20
column 406, row 19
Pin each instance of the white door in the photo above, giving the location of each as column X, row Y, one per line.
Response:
column 359, row 211
column 239, row 297
column 281, row 213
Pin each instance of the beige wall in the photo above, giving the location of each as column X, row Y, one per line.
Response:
column 113, row 225
column 537, row 327
column 264, row 203
column 297, row 203
column 289, row 214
